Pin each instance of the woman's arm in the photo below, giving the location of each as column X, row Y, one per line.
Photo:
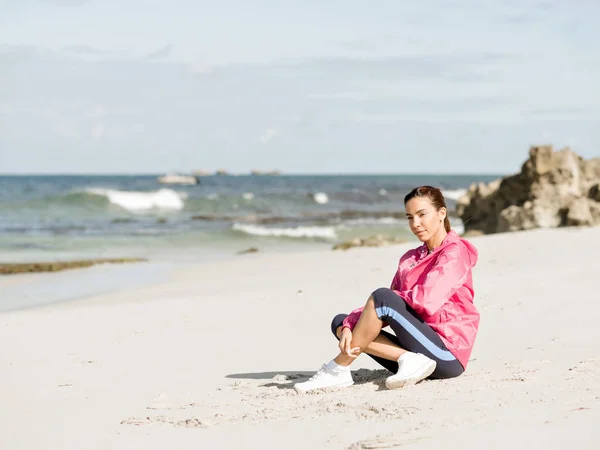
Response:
column 395, row 286
column 352, row 319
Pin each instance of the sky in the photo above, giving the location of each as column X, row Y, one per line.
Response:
column 388, row 86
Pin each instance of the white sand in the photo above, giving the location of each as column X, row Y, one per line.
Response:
column 206, row 360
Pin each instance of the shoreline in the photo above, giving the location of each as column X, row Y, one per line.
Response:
column 81, row 284
column 60, row 287
column 29, row 291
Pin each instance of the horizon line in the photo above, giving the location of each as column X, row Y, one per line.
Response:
column 211, row 174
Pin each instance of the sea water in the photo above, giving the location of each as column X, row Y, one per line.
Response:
column 52, row 218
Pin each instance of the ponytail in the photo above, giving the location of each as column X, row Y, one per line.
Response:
column 447, row 225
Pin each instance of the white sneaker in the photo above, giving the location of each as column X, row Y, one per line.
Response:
column 326, row 378
column 413, row 367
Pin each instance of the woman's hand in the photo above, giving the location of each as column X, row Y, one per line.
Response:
column 345, row 342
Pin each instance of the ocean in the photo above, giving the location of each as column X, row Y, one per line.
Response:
column 54, row 217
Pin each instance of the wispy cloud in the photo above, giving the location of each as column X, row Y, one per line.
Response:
column 161, row 53
column 439, row 78
column 66, row 129
column 465, row 65
column 138, row 128
column 200, row 67
column 85, row 50
column 67, row 2
column 268, row 135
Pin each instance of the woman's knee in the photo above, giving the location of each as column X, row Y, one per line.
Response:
column 382, row 296
column 337, row 322
column 386, row 300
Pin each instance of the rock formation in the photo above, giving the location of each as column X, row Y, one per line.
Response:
column 553, row 189
column 370, row 241
column 248, row 250
column 57, row 266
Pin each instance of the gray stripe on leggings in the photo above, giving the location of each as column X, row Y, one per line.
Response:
column 386, row 311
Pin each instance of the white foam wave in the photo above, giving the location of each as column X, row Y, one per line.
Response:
column 298, row 232
column 454, row 194
column 247, row 195
column 321, row 198
column 141, row 201
column 374, row 221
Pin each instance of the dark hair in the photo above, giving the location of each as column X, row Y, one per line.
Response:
column 434, row 195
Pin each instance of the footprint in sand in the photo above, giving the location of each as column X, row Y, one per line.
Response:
column 186, row 423
column 382, row 442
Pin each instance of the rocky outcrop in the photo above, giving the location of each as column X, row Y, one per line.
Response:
column 553, row 189
column 248, row 250
column 371, row 241
column 15, row 268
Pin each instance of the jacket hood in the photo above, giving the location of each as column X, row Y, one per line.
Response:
column 471, row 250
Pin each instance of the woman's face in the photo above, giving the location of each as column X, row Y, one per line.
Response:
column 424, row 220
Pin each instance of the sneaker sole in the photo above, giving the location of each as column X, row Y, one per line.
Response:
column 324, row 388
column 423, row 372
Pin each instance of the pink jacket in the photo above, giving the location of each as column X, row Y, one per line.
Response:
column 439, row 287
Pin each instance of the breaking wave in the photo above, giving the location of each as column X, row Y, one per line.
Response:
column 296, row 232
column 454, row 194
column 142, row 201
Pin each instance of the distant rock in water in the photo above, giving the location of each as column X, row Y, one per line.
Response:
column 248, row 250
column 15, row 268
column 178, row 179
column 553, row 189
column 273, row 172
column 371, row 241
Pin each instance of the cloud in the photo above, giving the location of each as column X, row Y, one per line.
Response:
column 94, row 54
column 354, row 96
column 97, row 131
column 463, row 66
column 95, row 112
column 356, row 45
column 84, row 50
column 65, row 129
column 138, row 128
column 161, row 53
column 200, row 67
column 114, row 131
column 269, row 134
column 350, row 103
column 564, row 113
column 67, row 2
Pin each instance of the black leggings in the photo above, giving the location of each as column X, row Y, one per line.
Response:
column 411, row 333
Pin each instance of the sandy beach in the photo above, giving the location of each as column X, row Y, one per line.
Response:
column 206, row 357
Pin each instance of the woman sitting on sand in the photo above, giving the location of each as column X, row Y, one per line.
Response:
column 429, row 306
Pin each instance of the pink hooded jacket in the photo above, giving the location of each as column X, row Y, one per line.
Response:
column 439, row 287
